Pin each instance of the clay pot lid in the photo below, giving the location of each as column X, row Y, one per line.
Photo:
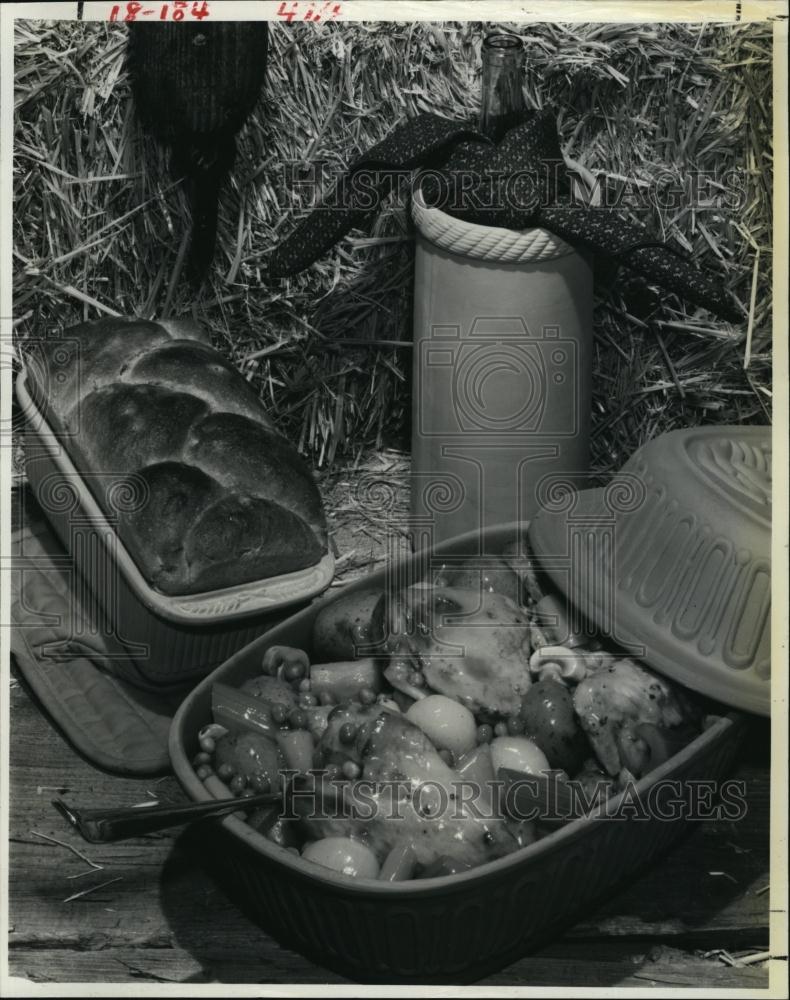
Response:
column 672, row 560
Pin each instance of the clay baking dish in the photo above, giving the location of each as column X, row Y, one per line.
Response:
column 455, row 928
column 169, row 638
column 678, row 545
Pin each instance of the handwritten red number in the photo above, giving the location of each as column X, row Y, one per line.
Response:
column 200, row 11
column 287, row 15
column 132, row 10
column 329, row 9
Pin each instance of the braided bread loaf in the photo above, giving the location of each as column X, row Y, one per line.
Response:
column 225, row 499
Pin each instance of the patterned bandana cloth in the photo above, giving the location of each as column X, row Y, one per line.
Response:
column 519, row 183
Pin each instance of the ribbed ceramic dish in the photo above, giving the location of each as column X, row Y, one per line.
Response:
column 451, row 929
column 169, row 638
column 673, row 558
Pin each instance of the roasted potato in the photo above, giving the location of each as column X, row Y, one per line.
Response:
column 345, row 629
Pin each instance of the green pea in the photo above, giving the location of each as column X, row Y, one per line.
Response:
column 347, row 733
column 294, row 671
column 298, row 719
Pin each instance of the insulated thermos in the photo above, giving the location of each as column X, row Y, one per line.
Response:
column 502, row 352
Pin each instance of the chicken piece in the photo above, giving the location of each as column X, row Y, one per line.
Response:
column 470, row 645
column 406, row 796
column 491, row 574
column 621, row 707
column 395, row 749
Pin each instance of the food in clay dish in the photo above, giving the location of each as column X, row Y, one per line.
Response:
column 384, row 762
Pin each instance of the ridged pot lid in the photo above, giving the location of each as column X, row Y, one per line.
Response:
column 672, row 559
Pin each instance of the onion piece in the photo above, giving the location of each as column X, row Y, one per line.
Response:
column 277, row 658
column 399, row 864
column 517, row 753
column 447, row 723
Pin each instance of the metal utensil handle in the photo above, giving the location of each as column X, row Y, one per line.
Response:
column 102, row 826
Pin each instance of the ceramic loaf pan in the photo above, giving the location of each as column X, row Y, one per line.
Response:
column 455, row 928
column 169, row 638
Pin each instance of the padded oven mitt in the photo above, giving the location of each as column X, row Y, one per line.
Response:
column 84, row 679
column 194, row 86
column 519, row 183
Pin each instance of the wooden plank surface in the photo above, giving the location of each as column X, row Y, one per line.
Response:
column 167, row 919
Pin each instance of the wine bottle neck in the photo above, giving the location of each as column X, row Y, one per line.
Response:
column 502, row 98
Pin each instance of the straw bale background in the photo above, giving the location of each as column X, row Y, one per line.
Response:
column 99, row 224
